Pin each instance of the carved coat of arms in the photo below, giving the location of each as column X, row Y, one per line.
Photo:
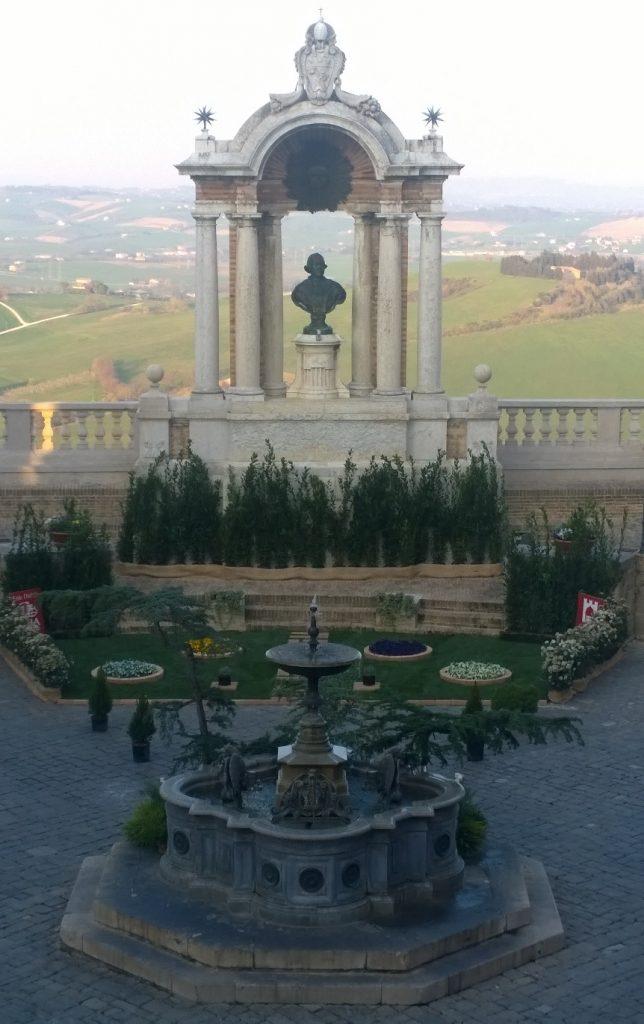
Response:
column 319, row 63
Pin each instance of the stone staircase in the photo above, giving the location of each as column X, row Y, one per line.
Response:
column 359, row 611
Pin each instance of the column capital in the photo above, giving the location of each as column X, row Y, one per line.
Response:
column 207, row 211
column 395, row 218
column 245, row 216
column 434, row 211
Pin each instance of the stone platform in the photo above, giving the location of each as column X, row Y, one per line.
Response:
column 123, row 913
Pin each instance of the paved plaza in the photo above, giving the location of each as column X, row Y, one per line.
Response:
column 65, row 793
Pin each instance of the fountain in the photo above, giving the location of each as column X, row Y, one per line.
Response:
column 311, row 842
column 307, row 877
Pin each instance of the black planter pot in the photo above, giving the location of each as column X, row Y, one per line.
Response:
column 99, row 723
column 475, row 748
column 369, row 679
column 141, row 751
column 224, row 679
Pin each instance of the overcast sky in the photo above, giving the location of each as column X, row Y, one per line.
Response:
column 102, row 92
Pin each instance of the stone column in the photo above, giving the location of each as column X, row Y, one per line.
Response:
column 430, row 299
column 272, row 304
column 361, row 374
column 389, row 331
column 206, row 306
column 247, row 322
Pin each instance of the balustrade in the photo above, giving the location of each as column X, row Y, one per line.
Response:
column 60, row 427
column 565, row 422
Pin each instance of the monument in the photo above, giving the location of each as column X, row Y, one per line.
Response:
column 317, row 345
column 321, row 147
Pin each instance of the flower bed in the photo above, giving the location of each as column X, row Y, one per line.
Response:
column 129, row 670
column 206, row 647
column 396, row 650
column 466, row 673
column 35, row 649
column 571, row 655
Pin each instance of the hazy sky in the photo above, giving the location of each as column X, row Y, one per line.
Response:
column 102, row 92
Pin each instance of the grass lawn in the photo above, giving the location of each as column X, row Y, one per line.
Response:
column 256, row 676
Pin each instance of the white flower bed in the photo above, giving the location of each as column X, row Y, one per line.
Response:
column 572, row 654
column 35, row 649
column 475, row 670
column 129, row 668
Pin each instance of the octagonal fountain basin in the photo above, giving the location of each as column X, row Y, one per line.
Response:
column 375, row 864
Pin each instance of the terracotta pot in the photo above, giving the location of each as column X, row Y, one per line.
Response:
column 59, row 537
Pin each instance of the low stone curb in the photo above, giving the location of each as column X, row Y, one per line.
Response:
column 49, row 694
column 131, row 680
column 400, row 658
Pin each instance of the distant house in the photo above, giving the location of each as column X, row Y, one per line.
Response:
column 82, row 284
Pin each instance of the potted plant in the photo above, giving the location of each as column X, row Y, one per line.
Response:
column 141, row 729
column 473, row 717
column 224, row 677
column 562, row 537
column 100, row 703
column 62, row 526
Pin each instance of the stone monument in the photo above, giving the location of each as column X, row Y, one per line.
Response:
column 317, row 345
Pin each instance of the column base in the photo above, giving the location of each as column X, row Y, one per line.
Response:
column 246, row 394
column 390, row 393
column 427, row 392
column 200, row 393
column 275, row 390
column 360, row 390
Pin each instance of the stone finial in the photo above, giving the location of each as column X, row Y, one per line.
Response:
column 155, row 374
column 483, row 375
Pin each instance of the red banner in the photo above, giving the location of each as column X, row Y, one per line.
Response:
column 587, row 605
column 27, row 601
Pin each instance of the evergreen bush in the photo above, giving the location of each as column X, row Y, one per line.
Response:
column 543, row 578
column 30, row 561
column 100, row 699
column 141, row 726
column 276, row 515
column 471, row 830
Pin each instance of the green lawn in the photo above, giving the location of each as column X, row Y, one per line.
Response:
column 256, row 676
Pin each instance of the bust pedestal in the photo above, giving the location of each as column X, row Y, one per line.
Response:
column 316, row 371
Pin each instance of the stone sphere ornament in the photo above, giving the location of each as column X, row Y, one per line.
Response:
column 482, row 374
column 155, row 374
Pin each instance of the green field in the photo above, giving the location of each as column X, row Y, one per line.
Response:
column 591, row 356
column 256, row 676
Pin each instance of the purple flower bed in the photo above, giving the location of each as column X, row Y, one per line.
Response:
column 397, row 648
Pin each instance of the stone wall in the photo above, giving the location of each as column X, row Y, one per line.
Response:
column 103, row 504
column 559, row 503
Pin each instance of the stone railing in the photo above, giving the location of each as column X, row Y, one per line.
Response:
column 65, row 426
column 548, row 423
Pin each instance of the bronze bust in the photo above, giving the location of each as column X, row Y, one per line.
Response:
column 318, row 295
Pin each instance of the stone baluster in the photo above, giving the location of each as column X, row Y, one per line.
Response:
column 247, row 326
column 65, row 433
column 99, row 429
column 361, row 369
column 528, row 426
column 206, row 305
column 579, row 429
column 117, row 429
column 634, row 426
column 430, row 300
column 81, row 419
column 546, row 426
column 512, row 429
column 37, row 429
column 389, row 330
column 562, row 425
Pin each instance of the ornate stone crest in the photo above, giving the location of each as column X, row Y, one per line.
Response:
column 319, row 63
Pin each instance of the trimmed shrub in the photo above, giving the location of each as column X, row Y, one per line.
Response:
column 30, row 561
column 35, row 649
column 573, row 654
column 516, row 698
column 68, row 612
column 100, row 699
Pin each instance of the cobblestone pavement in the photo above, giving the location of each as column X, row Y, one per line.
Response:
column 64, row 793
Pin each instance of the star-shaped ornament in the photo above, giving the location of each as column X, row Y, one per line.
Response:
column 204, row 116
